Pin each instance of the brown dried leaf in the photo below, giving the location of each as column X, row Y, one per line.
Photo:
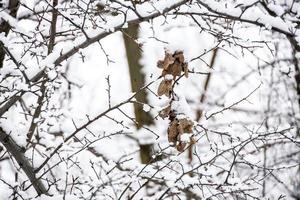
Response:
column 169, row 87
column 164, row 72
column 179, row 56
column 180, row 128
column 193, row 141
column 180, row 146
column 168, row 61
column 160, row 64
column 162, row 88
column 165, row 112
column 172, row 131
column 186, row 70
column 187, row 125
column 176, row 69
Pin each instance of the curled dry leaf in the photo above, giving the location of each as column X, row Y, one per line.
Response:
column 161, row 88
column 180, row 128
column 176, row 69
column 179, row 56
column 164, row 88
column 186, row 70
column 168, row 61
column 165, row 112
column 172, row 131
column 193, row 141
column 169, row 87
column 180, row 146
column 160, row 64
column 187, row 125
column 166, row 71
column 173, row 65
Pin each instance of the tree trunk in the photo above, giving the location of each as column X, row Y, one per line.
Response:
column 137, row 81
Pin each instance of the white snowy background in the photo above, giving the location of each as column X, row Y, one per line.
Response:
column 239, row 69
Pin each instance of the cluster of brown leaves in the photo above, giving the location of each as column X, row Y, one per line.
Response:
column 173, row 65
column 176, row 129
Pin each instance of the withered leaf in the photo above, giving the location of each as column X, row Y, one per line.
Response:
column 160, row 64
column 168, row 61
column 172, row 131
column 180, row 146
column 187, row 125
column 179, row 56
column 186, row 70
column 176, row 69
column 193, row 141
column 169, row 87
column 165, row 112
column 164, row 88
column 164, row 72
column 172, row 66
column 180, row 128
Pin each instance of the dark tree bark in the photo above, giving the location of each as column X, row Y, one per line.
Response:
column 17, row 153
column 137, row 81
column 5, row 27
